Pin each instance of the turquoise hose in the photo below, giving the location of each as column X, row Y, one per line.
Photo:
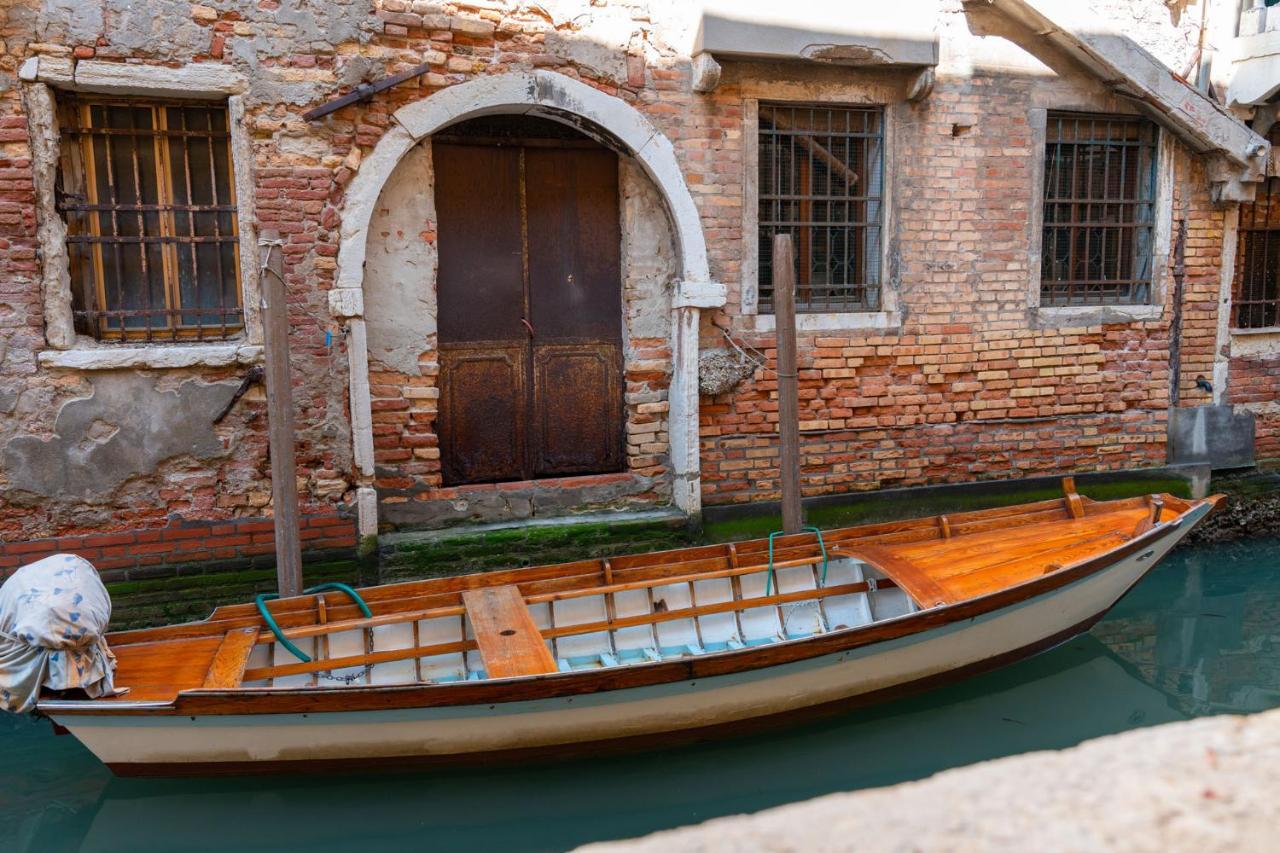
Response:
column 262, row 599
column 768, row 584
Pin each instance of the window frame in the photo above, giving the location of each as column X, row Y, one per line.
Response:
column 171, row 327
column 42, row 81
column 1080, row 285
column 1053, row 316
column 1271, row 242
column 886, row 317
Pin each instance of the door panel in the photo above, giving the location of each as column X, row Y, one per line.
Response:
column 577, row 419
column 575, row 240
column 481, row 270
column 482, row 419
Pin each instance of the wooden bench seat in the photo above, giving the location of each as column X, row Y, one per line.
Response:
column 944, row 571
column 510, row 643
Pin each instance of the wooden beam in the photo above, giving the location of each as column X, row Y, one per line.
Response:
column 814, row 147
column 230, row 659
column 784, row 309
column 280, row 426
column 509, row 641
column 365, row 92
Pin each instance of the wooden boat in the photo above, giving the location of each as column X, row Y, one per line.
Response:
column 637, row 650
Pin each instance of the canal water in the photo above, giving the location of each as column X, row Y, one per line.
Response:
column 1200, row 635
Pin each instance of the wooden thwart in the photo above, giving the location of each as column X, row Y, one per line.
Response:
column 230, row 659
column 509, row 641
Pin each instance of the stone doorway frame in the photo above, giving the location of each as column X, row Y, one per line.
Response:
column 615, row 123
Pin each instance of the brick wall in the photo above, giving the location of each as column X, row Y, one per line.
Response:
column 1253, row 384
column 974, row 385
column 969, row 386
column 134, row 554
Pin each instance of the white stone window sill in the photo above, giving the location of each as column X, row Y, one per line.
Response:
column 842, row 322
column 156, row 356
column 1096, row 315
column 1269, row 330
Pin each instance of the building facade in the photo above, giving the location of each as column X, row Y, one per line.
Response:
column 533, row 277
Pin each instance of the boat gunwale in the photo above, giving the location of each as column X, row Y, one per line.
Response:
column 228, row 617
column 239, row 701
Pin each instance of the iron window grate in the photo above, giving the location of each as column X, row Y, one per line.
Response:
column 147, row 193
column 1256, row 294
column 1099, row 209
column 821, row 175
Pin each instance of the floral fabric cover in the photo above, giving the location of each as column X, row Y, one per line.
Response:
column 53, row 615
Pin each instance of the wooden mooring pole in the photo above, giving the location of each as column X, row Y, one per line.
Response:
column 280, row 427
column 784, row 310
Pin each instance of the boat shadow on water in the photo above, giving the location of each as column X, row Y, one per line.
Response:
column 1187, row 641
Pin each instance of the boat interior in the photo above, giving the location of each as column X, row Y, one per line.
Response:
column 628, row 610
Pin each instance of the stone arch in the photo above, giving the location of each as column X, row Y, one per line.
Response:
column 543, row 93
column 596, row 113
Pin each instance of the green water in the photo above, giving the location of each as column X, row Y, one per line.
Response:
column 1201, row 635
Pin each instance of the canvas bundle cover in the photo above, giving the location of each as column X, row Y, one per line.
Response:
column 53, row 618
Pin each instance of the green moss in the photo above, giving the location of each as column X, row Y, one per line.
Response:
column 875, row 507
column 516, row 547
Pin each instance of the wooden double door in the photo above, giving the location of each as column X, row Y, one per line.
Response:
column 530, row 311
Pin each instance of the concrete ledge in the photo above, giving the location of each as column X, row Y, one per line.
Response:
column 743, row 521
column 1094, row 315
column 1202, row 785
column 158, row 356
column 875, row 321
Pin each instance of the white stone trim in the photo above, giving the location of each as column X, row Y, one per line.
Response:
column 213, row 80
column 749, row 290
column 542, row 93
column 1096, row 315
column 346, row 302
column 152, row 356
column 699, row 294
column 1226, row 280
column 39, row 99
column 51, row 228
column 837, row 322
column 1255, row 343
column 556, row 97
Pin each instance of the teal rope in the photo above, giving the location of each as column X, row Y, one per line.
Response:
column 768, row 584
column 262, row 599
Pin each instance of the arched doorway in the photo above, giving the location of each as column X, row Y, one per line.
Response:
column 559, row 97
column 529, row 301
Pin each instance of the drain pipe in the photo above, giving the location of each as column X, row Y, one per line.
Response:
column 1175, row 324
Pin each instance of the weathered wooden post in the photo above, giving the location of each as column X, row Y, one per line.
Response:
column 784, row 310
column 280, row 427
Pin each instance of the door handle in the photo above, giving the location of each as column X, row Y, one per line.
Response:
column 527, row 325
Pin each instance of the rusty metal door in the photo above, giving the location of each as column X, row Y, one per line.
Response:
column 530, row 311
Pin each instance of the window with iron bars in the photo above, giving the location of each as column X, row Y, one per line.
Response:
column 821, row 178
column 147, row 193
column 1256, row 295
column 1099, row 208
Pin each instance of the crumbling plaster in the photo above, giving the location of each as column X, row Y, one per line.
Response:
column 400, row 266
column 128, row 425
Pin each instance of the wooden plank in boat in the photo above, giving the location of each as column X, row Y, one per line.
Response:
column 230, row 659
column 908, row 575
column 510, row 643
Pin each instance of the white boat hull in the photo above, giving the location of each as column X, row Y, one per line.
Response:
column 133, row 742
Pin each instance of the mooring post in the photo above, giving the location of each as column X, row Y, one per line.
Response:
column 784, row 310
column 280, row 427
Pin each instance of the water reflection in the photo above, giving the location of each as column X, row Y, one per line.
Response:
column 1196, row 637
